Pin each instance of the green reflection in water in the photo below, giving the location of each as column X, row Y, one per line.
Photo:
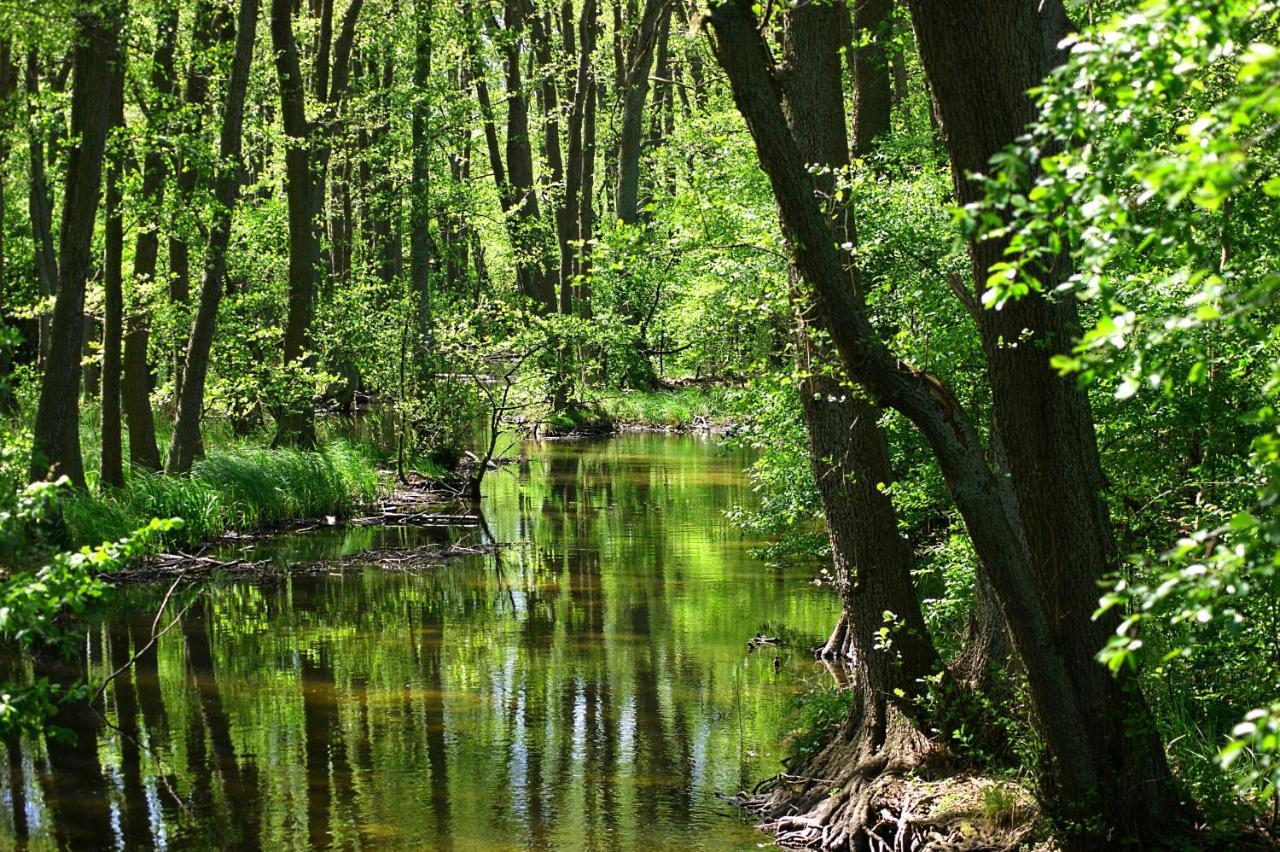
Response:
column 588, row 689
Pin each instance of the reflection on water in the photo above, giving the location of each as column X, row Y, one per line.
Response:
column 588, row 689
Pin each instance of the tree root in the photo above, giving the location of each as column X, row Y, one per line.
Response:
column 900, row 797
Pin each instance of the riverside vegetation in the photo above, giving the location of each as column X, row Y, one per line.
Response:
column 986, row 291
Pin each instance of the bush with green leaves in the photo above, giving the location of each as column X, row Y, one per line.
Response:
column 35, row 604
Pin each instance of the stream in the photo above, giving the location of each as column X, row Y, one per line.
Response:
column 587, row 687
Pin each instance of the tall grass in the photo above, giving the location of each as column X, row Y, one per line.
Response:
column 233, row 488
column 678, row 409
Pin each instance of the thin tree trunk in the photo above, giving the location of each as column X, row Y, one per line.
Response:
column 56, row 446
column 575, row 169
column 143, row 451
column 40, row 205
column 296, row 426
column 420, row 247
column 186, row 429
column 212, row 26
column 635, row 91
column 111, row 462
column 869, row 61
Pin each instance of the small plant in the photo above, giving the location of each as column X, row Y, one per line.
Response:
column 818, row 715
column 1000, row 806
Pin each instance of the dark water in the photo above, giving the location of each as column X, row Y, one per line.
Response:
column 588, row 689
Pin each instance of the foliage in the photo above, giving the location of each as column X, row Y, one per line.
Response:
column 34, row 603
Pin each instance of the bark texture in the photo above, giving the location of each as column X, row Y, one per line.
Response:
column 143, row 451
column 635, row 90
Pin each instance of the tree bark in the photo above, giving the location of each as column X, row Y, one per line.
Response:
column 850, row 461
column 186, row 429
column 111, row 461
column 40, row 205
column 981, row 57
column 420, row 247
column 212, row 26
column 869, row 62
column 296, row 426
column 56, row 446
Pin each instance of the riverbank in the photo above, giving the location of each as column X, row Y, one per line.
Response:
column 687, row 409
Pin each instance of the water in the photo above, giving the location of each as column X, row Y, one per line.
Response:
column 589, row 688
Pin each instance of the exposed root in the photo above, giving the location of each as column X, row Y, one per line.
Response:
column 895, row 812
column 882, row 786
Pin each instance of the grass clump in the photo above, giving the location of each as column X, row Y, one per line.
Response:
column 238, row 488
column 680, row 409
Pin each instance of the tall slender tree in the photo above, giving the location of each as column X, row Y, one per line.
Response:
column 143, row 450
column 56, row 445
column 186, row 429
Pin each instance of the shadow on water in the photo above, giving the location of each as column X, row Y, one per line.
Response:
column 586, row 688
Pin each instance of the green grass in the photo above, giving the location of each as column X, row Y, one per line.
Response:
column 232, row 488
column 682, row 408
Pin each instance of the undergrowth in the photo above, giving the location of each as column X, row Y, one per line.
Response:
column 235, row 488
column 683, row 408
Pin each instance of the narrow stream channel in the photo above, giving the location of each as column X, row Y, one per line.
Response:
column 588, row 688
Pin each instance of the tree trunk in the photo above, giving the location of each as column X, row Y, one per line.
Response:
column 212, row 26
column 295, row 422
column 186, row 429
column 924, row 400
column 111, row 462
column 40, row 205
column 635, row 91
column 143, row 451
column 980, row 58
column 869, row 61
column 534, row 279
column 56, row 446
column 420, row 248
column 850, row 461
column 576, row 167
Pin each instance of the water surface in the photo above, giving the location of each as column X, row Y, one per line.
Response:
column 588, row 688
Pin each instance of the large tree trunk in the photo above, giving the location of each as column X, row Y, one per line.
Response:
column 143, row 451
column 921, row 398
column 981, row 57
column 111, row 462
column 56, row 446
column 635, row 91
column 295, row 422
column 186, row 429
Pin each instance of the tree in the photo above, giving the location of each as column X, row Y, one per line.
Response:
column 56, row 444
column 981, row 59
column 1062, row 718
column 635, row 90
column 143, row 450
column 186, row 429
